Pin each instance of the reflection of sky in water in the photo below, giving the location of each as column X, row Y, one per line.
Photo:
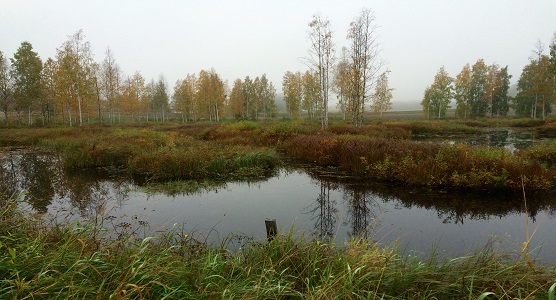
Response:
column 417, row 220
column 241, row 208
column 510, row 138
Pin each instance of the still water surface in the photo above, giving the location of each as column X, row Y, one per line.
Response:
column 315, row 203
column 512, row 139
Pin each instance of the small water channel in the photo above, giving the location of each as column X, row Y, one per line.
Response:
column 512, row 139
column 313, row 202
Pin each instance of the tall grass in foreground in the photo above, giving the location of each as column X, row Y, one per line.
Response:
column 76, row 261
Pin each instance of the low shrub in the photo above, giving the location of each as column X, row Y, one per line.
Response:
column 423, row 163
column 386, row 130
column 443, row 127
column 243, row 125
column 170, row 164
column 547, row 130
column 544, row 153
column 527, row 122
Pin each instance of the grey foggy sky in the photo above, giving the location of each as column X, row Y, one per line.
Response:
column 240, row 38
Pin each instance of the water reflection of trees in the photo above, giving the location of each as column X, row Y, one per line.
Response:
column 38, row 175
column 33, row 172
column 363, row 198
column 363, row 210
column 324, row 211
column 43, row 178
column 9, row 184
column 455, row 206
column 511, row 138
column 361, row 205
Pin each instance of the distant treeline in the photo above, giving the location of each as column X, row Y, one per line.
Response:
column 481, row 90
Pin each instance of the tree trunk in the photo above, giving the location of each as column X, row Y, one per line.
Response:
column 535, row 108
column 79, row 107
column 69, row 116
column 543, row 110
column 98, row 101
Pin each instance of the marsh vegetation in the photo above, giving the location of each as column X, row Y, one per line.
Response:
column 103, row 254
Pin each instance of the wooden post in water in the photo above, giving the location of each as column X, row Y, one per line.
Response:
column 271, row 228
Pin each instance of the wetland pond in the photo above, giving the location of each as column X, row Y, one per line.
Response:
column 317, row 203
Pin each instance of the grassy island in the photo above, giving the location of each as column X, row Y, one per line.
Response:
column 246, row 149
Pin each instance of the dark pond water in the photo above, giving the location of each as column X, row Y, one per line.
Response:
column 510, row 138
column 312, row 202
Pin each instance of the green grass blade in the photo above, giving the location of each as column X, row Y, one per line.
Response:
column 551, row 292
column 484, row 295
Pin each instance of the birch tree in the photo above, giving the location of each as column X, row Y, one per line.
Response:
column 321, row 59
column 535, row 89
column 266, row 94
column 553, row 56
column 160, row 99
column 312, row 101
column 6, row 87
column 77, row 74
column 133, row 95
column 342, row 84
column 462, row 93
column 249, row 96
column 365, row 63
column 492, row 84
column 382, row 97
column 292, row 89
column 237, row 100
column 438, row 96
column 48, row 103
column 478, row 104
column 110, row 84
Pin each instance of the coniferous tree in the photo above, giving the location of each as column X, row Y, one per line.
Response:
column 501, row 99
column 27, row 79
